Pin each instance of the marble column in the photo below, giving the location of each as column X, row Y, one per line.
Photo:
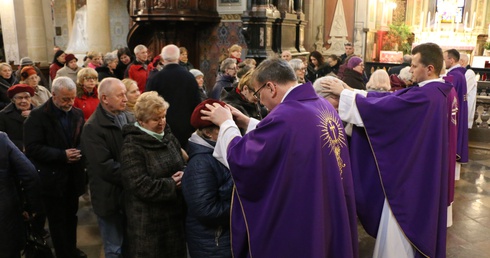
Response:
column 98, row 28
column 9, row 30
column 35, row 30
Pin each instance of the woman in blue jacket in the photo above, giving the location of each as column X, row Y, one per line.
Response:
column 207, row 187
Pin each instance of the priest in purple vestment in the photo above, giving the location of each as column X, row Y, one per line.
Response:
column 401, row 158
column 456, row 74
column 293, row 193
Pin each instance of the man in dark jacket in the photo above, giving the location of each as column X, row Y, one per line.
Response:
column 179, row 88
column 226, row 79
column 52, row 142
column 101, row 143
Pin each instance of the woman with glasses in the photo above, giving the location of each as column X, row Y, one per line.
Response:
column 299, row 68
column 28, row 75
column 316, row 66
column 6, row 81
column 13, row 115
column 87, row 97
column 353, row 74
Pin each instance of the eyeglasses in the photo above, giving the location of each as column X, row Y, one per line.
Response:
column 20, row 97
column 232, row 68
column 90, row 78
column 257, row 93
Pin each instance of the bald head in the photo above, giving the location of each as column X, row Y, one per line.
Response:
column 463, row 59
column 170, row 54
column 112, row 95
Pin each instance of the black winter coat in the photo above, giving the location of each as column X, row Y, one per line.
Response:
column 5, row 84
column 236, row 100
column 102, row 143
column 12, row 122
column 154, row 205
column 15, row 167
column 354, row 79
column 105, row 72
column 224, row 81
column 207, row 186
column 312, row 74
column 179, row 88
column 45, row 144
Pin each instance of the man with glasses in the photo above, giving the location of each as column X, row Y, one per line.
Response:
column 226, row 79
column 52, row 143
column 294, row 194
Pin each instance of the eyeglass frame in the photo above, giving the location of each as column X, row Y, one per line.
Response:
column 256, row 93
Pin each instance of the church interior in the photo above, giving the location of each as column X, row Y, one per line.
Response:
column 381, row 31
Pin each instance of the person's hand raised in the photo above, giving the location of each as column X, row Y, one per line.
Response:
column 216, row 114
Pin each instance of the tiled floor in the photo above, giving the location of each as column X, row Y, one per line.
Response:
column 468, row 237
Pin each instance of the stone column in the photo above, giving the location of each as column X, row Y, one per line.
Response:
column 9, row 30
column 98, row 29
column 35, row 30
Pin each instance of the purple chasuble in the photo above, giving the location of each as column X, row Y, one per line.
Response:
column 402, row 154
column 459, row 82
column 293, row 184
column 452, row 103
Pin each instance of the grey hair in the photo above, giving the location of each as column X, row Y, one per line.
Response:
column 318, row 87
column 296, row 63
column 274, row 70
column 109, row 57
column 63, row 82
column 226, row 63
column 170, row 53
column 139, row 48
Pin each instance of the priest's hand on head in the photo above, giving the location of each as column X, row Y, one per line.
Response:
column 241, row 119
column 216, row 114
column 334, row 86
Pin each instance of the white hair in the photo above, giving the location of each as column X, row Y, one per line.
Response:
column 295, row 63
column 318, row 87
column 405, row 74
column 62, row 82
column 170, row 53
column 139, row 48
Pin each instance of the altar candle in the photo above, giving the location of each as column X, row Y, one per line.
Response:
column 457, row 23
column 421, row 20
column 466, row 20
column 473, row 20
column 428, row 20
column 488, row 30
column 452, row 22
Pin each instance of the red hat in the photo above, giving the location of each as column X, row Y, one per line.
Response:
column 26, row 72
column 196, row 120
column 70, row 57
column 18, row 88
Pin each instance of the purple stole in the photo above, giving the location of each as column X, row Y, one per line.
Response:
column 459, row 82
column 402, row 154
column 293, row 193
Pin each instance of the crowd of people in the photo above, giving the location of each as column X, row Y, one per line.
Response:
column 278, row 159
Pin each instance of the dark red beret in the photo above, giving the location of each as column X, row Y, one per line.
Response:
column 70, row 57
column 196, row 120
column 18, row 88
